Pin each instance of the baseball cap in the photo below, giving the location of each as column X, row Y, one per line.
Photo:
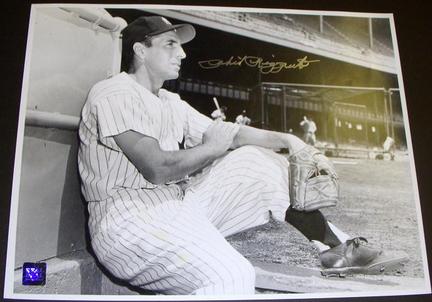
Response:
column 144, row 27
column 148, row 26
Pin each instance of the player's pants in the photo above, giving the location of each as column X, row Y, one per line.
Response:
column 310, row 138
column 178, row 246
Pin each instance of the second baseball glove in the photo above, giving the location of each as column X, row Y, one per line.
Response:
column 312, row 179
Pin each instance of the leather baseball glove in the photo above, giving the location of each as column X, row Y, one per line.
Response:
column 313, row 180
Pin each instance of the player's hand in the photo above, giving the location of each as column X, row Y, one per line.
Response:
column 219, row 137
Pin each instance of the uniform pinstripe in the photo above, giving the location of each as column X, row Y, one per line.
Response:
column 170, row 238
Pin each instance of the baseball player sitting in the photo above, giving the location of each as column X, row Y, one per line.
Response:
column 158, row 216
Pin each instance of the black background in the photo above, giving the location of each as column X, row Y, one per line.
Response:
column 413, row 21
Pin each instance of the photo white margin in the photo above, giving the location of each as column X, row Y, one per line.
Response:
column 9, row 274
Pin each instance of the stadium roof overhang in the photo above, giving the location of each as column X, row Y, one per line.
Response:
column 368, row 60
column 329, row 93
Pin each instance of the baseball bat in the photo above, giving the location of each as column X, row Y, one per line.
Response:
column 216, row 103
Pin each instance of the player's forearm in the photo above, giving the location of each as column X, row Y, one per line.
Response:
column 268, row 139
column 175, row 165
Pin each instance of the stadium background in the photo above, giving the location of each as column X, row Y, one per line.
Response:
column 355, row 105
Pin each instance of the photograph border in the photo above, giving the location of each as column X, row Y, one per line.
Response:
column 8, row 289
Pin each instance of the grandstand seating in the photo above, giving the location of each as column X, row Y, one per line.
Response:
column 305, row 30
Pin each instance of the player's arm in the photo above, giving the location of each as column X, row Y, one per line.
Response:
column 159, row 166
column 269, row 139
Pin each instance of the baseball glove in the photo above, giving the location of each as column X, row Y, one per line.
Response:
column 313, row 180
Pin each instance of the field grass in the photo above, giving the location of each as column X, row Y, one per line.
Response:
column 377, row 202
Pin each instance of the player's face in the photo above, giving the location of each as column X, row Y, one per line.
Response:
column 164, row 57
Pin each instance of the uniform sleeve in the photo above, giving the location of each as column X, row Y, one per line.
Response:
column 194, row 126
column 119, row 113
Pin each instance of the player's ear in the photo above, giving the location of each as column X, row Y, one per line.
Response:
column 139, row 50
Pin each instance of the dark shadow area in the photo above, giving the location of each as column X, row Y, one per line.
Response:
column 71, row 224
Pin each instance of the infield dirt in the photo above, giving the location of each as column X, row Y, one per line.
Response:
column 377, row 202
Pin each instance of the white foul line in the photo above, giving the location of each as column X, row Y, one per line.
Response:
column 344, row 162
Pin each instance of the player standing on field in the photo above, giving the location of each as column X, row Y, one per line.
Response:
column 158, row 216
column 219, row 114
column 242, row 119
column 309, row 129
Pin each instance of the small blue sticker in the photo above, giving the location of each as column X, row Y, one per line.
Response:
column 34, row 273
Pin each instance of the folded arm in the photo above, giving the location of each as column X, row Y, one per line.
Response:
column 267, row 139
column 159, row 166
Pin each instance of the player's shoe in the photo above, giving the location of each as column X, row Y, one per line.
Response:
column 354, row 257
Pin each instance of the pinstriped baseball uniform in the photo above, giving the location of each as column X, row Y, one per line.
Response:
column 169, row 238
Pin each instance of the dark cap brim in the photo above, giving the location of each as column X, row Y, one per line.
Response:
column 186, row 32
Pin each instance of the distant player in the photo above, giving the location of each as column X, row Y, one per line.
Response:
column 242, row 119
column 219, row 114
column 309, row 128
column 389, row 147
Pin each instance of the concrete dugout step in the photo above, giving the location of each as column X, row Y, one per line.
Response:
column 74, row 274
